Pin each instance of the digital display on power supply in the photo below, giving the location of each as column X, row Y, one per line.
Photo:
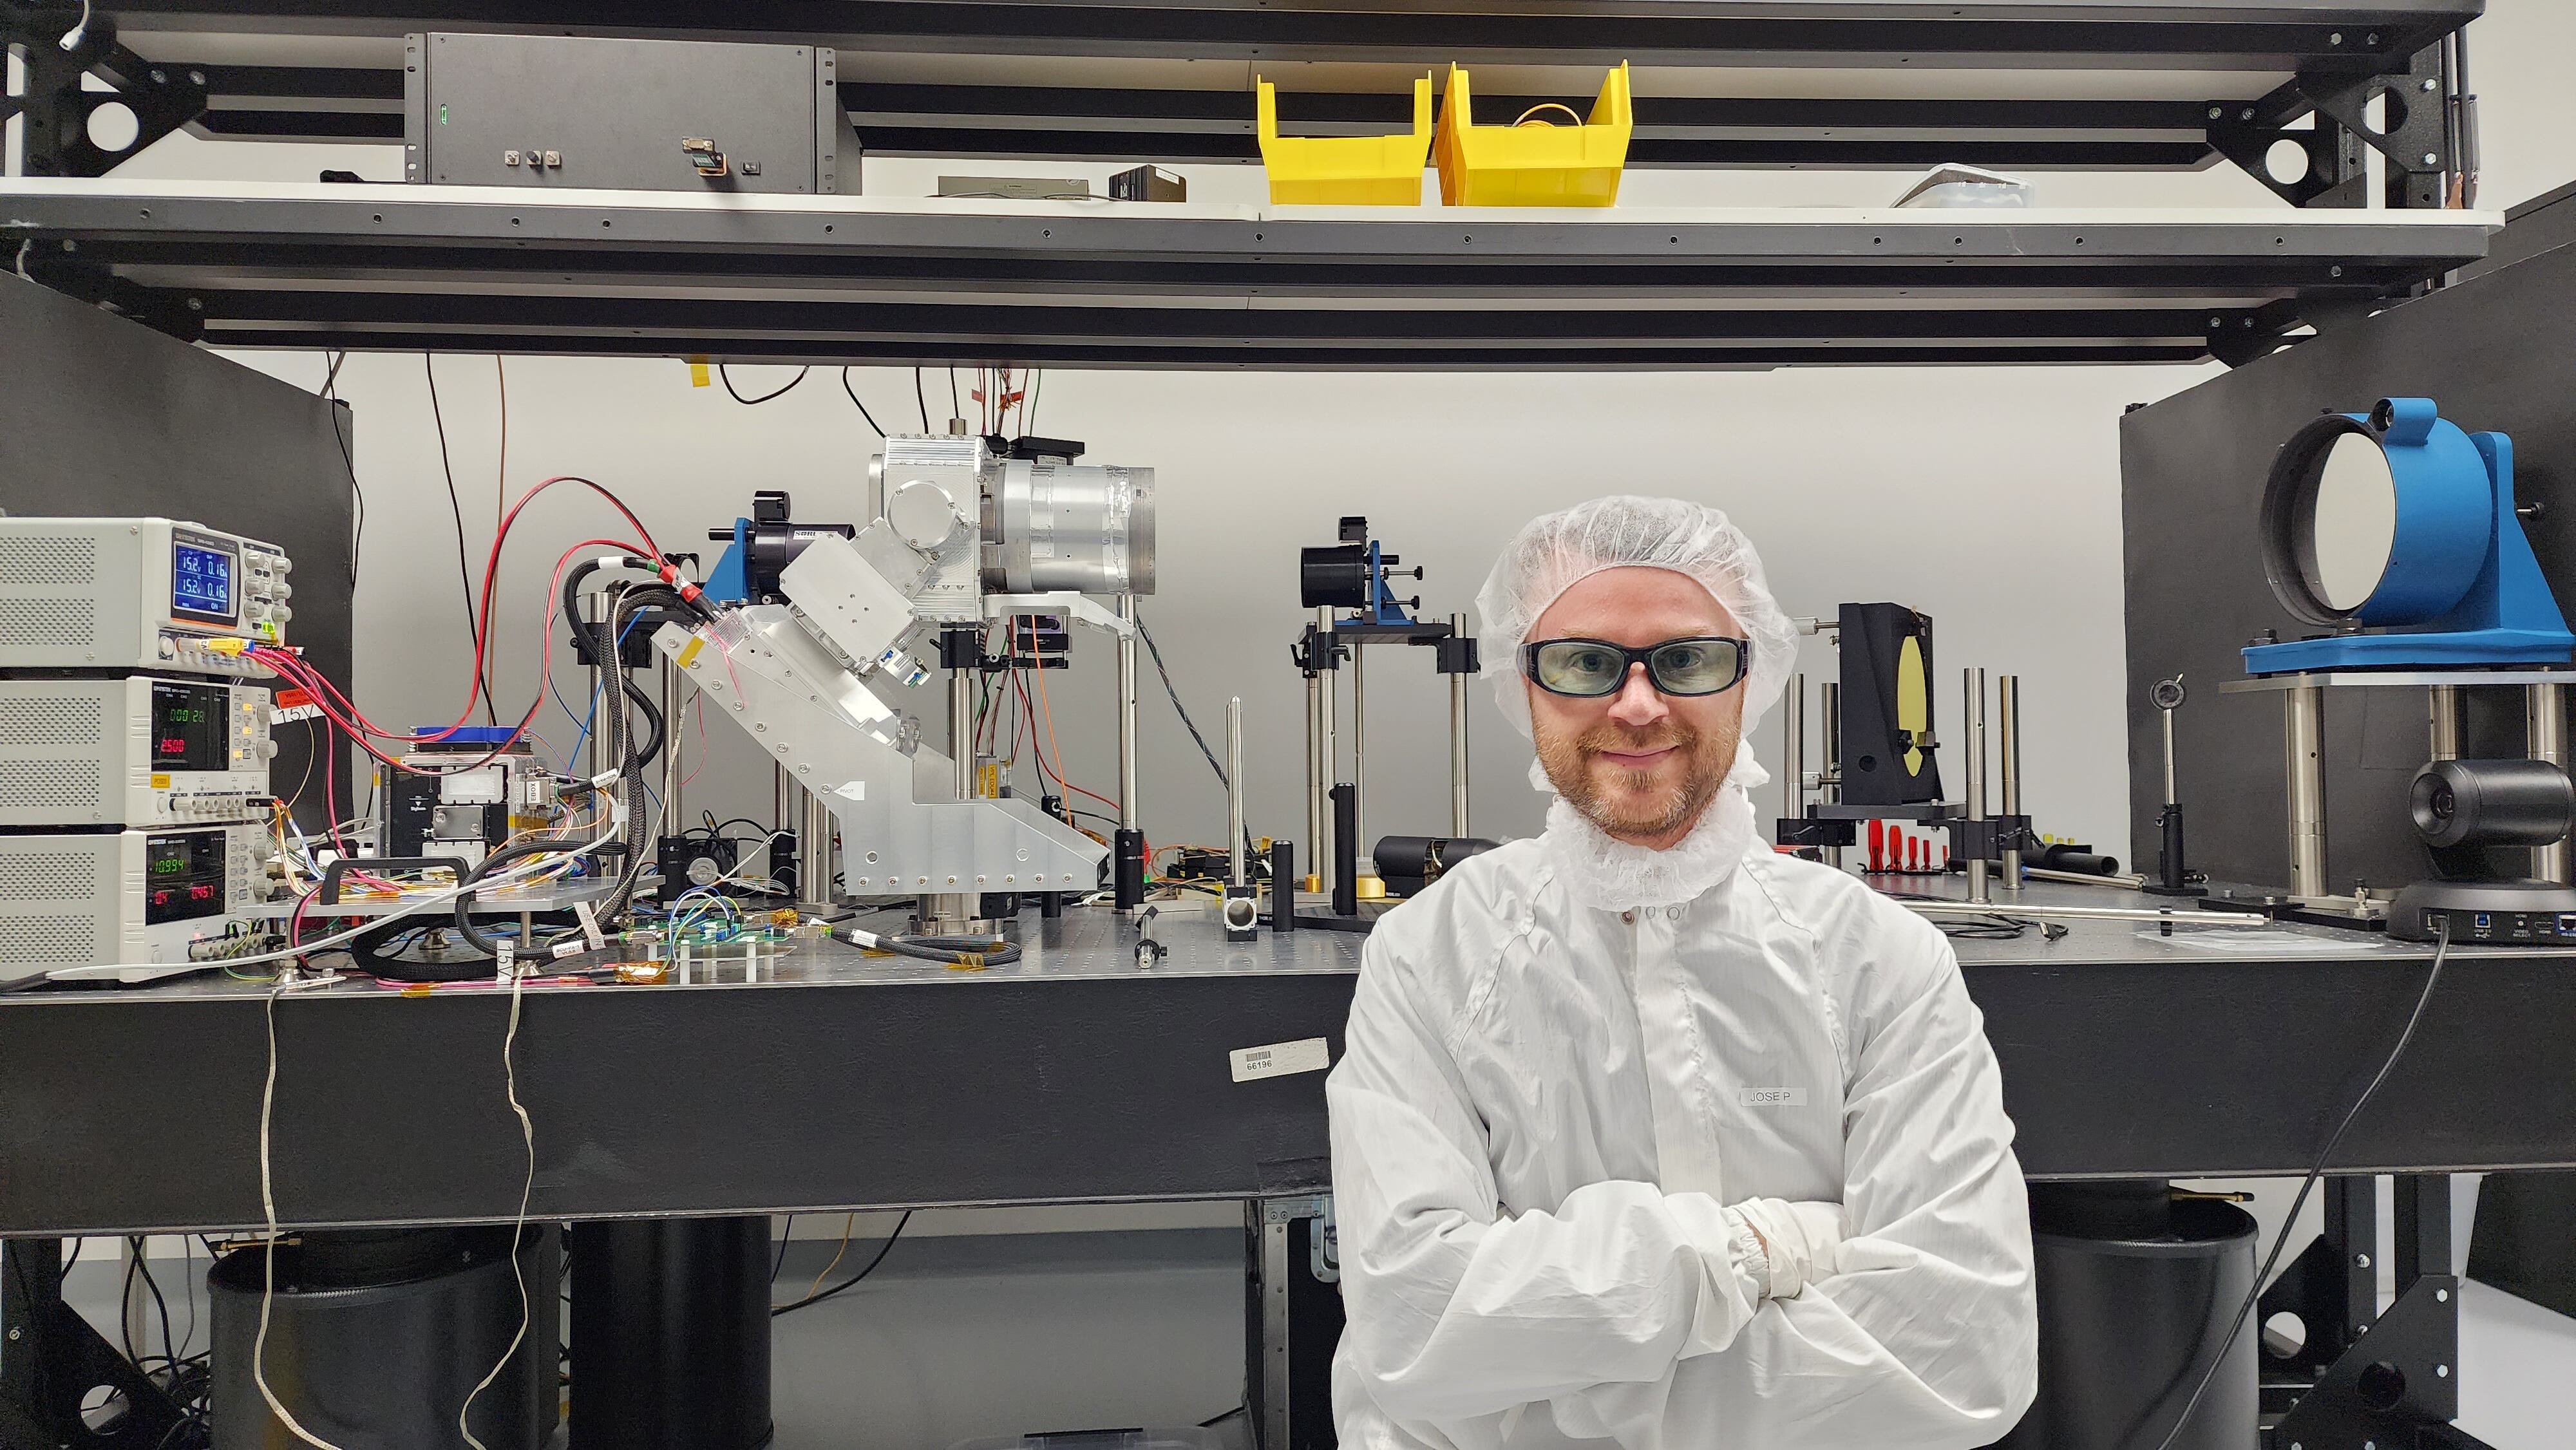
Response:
column 202, row 583
column 183, row 876
column 190, row 726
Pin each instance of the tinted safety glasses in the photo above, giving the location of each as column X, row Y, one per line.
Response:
column 1592, row 668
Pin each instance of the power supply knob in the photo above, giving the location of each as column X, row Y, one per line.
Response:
column 268, row 750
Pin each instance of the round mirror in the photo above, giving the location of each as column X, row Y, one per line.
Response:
column 2352, row 524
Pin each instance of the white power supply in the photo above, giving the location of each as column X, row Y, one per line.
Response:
column 137, row 751
column 128, row 905
column 137, row 594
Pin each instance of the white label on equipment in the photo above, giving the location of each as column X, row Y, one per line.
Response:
column 505, row 960
column 1280, row 1059
column 1772, row 1097
column 589, row 925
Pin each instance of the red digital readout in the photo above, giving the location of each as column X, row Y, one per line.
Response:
column 174, row 745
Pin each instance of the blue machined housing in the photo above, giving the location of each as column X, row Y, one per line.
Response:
column 2461, row 586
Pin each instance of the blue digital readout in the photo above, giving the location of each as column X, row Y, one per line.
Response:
column 201, row 581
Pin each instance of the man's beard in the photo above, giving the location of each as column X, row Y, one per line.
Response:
column 1571, row 766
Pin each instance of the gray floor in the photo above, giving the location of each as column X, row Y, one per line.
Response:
column 959, row 1339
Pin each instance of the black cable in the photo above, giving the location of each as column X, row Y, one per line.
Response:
column 922, row 402
column 2262, row 1276
column 1154, row 650
column 882, row 1251
column 456, row 510
column 357, row 495
column 784, row 1240
column 956, row 409
column 727, row 379
column 28, row 983
column 169, row 1341
column 862, row 407
column 1212, row 1421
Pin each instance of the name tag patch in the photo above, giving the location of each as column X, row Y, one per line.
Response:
column 1772, row 1097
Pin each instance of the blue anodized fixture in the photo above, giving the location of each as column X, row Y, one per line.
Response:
column 2461, row 586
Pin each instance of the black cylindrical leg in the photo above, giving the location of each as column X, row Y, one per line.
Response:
column 670, row 1334
column 2135, row 1290
column 378, row 1338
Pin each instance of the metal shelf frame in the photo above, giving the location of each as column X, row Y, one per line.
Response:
column 922, row 281
column 245, row 69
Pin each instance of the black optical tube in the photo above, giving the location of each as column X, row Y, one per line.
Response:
column 1283, row 886
column 1128, row 871
column 1346, row 850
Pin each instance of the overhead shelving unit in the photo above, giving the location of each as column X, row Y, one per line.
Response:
column 908, row 281
column 2374, row 96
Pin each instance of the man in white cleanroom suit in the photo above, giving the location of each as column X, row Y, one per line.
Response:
column 1645, row 1134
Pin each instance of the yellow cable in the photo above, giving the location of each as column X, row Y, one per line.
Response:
column 1524, row 118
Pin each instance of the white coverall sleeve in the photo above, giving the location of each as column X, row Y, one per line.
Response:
column 1924, row 1334
column 1456, row 1312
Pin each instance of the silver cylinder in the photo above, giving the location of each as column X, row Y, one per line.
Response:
column 1972, row 699
column 1829, row 710
column 2445, row 721
column 961, row 730
column 2545, row 709
column 1359, row 751
column 1234, row 791
column 813, row 852
column 1127, row 714
column 674, row 818
column 1328, row 752
column 1082, row 527
column 1458, row 740
column 2008, row 755
column 1793, row 749
column 1314, row 767
column 2303, row 739
column 2172, row 794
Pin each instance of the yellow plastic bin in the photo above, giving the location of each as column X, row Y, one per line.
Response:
column 1346, row 170
column 1533, row 162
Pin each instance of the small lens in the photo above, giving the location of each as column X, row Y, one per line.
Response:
column 1695, row 666
column 1577, row 667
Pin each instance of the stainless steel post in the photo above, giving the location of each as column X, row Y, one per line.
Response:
column 1793, row 750
column 961, row 730
column 674, row 819
column 813, row 853
column 1829, row 705
column 1234, row 791
column 2008, row 753
column 1328, row 753
column 2546, row 709
column 1359, row 753
column 1972, row 697
column 1458, row 739
column 1127, row 714
column 2446, row 722
column 2302, row 736
column 1314, row 762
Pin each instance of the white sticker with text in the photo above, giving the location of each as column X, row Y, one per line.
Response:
column 1279, row 1059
